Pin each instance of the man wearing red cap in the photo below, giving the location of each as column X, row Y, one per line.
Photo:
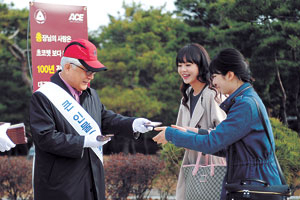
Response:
column 66, row 118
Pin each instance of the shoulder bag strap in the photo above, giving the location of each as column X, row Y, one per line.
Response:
column 229, row 150
column 229, row 170
column 283, row 181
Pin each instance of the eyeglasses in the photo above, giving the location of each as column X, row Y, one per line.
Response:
column 88, row 73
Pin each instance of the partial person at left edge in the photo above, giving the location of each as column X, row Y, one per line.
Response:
column 5, row 142
column 68, row 164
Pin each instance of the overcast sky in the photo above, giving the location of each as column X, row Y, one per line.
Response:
column 98, row 10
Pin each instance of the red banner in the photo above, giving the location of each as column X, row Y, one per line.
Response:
column 52, row 27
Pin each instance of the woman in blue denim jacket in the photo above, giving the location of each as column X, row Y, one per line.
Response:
column 242, row 130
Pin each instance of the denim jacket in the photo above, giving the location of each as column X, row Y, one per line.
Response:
column 242, row 130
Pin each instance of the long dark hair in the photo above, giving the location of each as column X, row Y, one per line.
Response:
column 231, row 60
column 194, row 53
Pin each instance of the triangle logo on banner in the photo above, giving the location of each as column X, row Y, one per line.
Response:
column 40, row 16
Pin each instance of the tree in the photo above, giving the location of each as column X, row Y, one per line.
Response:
column 139, row 50
column 277, row 50
column 13, row 37
column 267, row 36
column 15, row 83
column 287, row 151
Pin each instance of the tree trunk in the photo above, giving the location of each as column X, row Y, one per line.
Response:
column 297, row 90
column 20, row 55
column 283, row 99
column 296, row 103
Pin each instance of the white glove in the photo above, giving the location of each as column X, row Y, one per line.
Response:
column 5, row 142
column 91, row 140
column 138, row 125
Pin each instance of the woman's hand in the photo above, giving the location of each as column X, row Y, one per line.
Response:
column 179, row 128
column 160, row 138
column 184, row 129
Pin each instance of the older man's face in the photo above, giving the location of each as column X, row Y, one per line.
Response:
column 78, row 77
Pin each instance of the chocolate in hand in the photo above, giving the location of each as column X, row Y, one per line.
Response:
column 17, row 133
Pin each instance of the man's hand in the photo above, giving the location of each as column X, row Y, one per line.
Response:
column 91, row 140
column 5, row 142
column 138, row 125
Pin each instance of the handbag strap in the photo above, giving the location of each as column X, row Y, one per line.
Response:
column 283, row 181
column 229, row 171
column 197, row 163
column 196, row 168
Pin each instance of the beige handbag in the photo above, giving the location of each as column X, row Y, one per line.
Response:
column 204, row 182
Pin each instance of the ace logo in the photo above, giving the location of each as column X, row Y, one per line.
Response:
column 76, row 17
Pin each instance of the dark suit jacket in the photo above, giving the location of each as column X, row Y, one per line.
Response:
column 64, row 170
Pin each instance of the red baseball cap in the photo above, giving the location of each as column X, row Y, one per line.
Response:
column 86, row 53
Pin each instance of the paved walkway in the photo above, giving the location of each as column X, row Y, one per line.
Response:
column 294, row 198
column 154, row 195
